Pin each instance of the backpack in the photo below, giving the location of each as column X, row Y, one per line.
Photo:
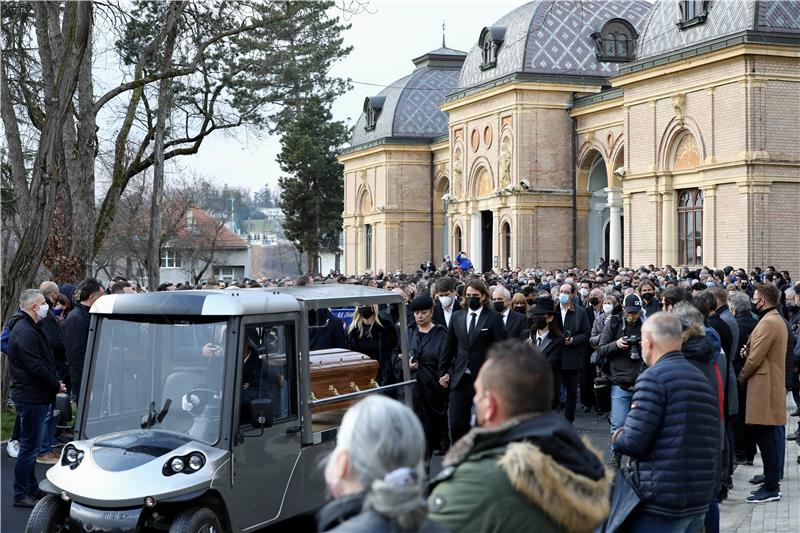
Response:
column 5, row 337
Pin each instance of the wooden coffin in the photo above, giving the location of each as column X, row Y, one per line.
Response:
column 335, row 372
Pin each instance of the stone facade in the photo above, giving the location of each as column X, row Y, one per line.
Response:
column 550, row 170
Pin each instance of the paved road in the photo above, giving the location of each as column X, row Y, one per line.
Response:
column 736, row 515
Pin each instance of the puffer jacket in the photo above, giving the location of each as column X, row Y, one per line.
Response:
column 531, row 473
column 672, row 434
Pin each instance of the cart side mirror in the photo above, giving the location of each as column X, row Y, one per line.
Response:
column 62, row 410
column 261, row 415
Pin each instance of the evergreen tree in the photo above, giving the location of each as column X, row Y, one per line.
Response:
column 312, row 193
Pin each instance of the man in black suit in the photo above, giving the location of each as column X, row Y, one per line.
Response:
column 516, row 324
column 446, row 301
column 574, row 322
column 472, row 331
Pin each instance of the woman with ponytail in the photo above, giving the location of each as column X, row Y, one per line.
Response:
column 375, row 474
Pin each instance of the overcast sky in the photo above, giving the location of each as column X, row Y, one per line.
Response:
column 384, row 41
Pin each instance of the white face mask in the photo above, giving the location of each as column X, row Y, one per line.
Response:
column 607, row 308
column 446, row 301
column 584, row 292
column 42, row 311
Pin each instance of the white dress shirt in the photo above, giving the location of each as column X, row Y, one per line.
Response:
column 477, row 318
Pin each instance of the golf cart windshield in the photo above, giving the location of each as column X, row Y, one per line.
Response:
column 156, row 372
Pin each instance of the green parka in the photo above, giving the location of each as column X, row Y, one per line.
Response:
column 532, row 473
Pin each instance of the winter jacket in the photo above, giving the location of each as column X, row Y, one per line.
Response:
column 623, row 369
column 76, row 335
column 597, row 329
column 347, row 515
column 725, row 314
column 53, row 329
column 531, row 473
column 33, row 367
column 764, row 371
column 672, row 433
column 746, row 322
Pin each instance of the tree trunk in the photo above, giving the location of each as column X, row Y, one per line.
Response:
column 48, row 165
column 164, row 102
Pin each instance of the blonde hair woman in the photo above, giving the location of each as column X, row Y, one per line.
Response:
column 375, row 338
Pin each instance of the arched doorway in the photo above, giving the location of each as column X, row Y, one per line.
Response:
column 599, row 212
column 505, row 231
column 458, row 245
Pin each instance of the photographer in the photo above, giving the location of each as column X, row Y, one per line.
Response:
column 620, row 345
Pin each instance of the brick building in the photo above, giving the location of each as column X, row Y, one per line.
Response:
column 665, row 133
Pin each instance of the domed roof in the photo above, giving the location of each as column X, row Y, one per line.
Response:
column 661, row 34
column 552, row 37
column 409, row 107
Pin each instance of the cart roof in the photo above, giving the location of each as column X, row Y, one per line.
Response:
column 235, row 302
column 196, row 303
column 339, row 295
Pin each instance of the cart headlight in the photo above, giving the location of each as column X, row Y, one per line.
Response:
column 186, row 464
column 177, row 465
column 72, row 456
column 196, row 462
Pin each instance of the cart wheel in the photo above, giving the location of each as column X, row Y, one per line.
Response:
column 49, row 515
column 196, row 520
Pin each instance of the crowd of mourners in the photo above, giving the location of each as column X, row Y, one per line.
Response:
column 692, row 369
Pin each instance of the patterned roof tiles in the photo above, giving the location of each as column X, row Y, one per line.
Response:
column 553, row 37
column 411, row 108
column 661, row 34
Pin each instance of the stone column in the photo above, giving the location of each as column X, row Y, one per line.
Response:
column 709, row 242
column 475, row 240
column 668, row 237
column 615, row 223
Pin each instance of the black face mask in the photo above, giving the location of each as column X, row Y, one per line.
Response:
column 366, row 311
column 594, row 301
column 474, row 302
column 540, row 323
column 648, row 297
column 521, row 308
column 499, row 306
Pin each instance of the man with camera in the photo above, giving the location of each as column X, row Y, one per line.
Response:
column 620, row 346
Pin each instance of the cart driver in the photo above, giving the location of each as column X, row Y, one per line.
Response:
column 257, row 381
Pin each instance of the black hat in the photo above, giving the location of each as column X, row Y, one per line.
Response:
column 542, row 306
column 633, row 303
column 422, row 302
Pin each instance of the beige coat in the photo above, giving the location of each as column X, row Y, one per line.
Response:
column 765, row 372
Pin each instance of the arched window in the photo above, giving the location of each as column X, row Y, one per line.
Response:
column 372, row 109
column 491, row 39
column 693, row 12
column 457, row 240
column 690, row 227
column 616, row 41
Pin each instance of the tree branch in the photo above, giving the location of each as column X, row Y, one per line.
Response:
column 185, row 71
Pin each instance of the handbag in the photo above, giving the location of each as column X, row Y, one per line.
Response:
column 625, row 499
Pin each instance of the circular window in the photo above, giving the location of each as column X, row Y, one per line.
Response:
column 487, row 136
column 475, row 140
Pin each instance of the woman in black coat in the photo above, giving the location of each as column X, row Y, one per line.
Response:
column 426, row 351
column 547, row 336
column 375, row 338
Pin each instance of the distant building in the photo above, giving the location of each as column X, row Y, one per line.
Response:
column 203, row 241
column 664, row 133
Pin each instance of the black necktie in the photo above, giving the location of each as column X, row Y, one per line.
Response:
column 539, row 341
column 472, row 322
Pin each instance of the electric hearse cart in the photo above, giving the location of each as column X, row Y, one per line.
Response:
column 203, row 411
